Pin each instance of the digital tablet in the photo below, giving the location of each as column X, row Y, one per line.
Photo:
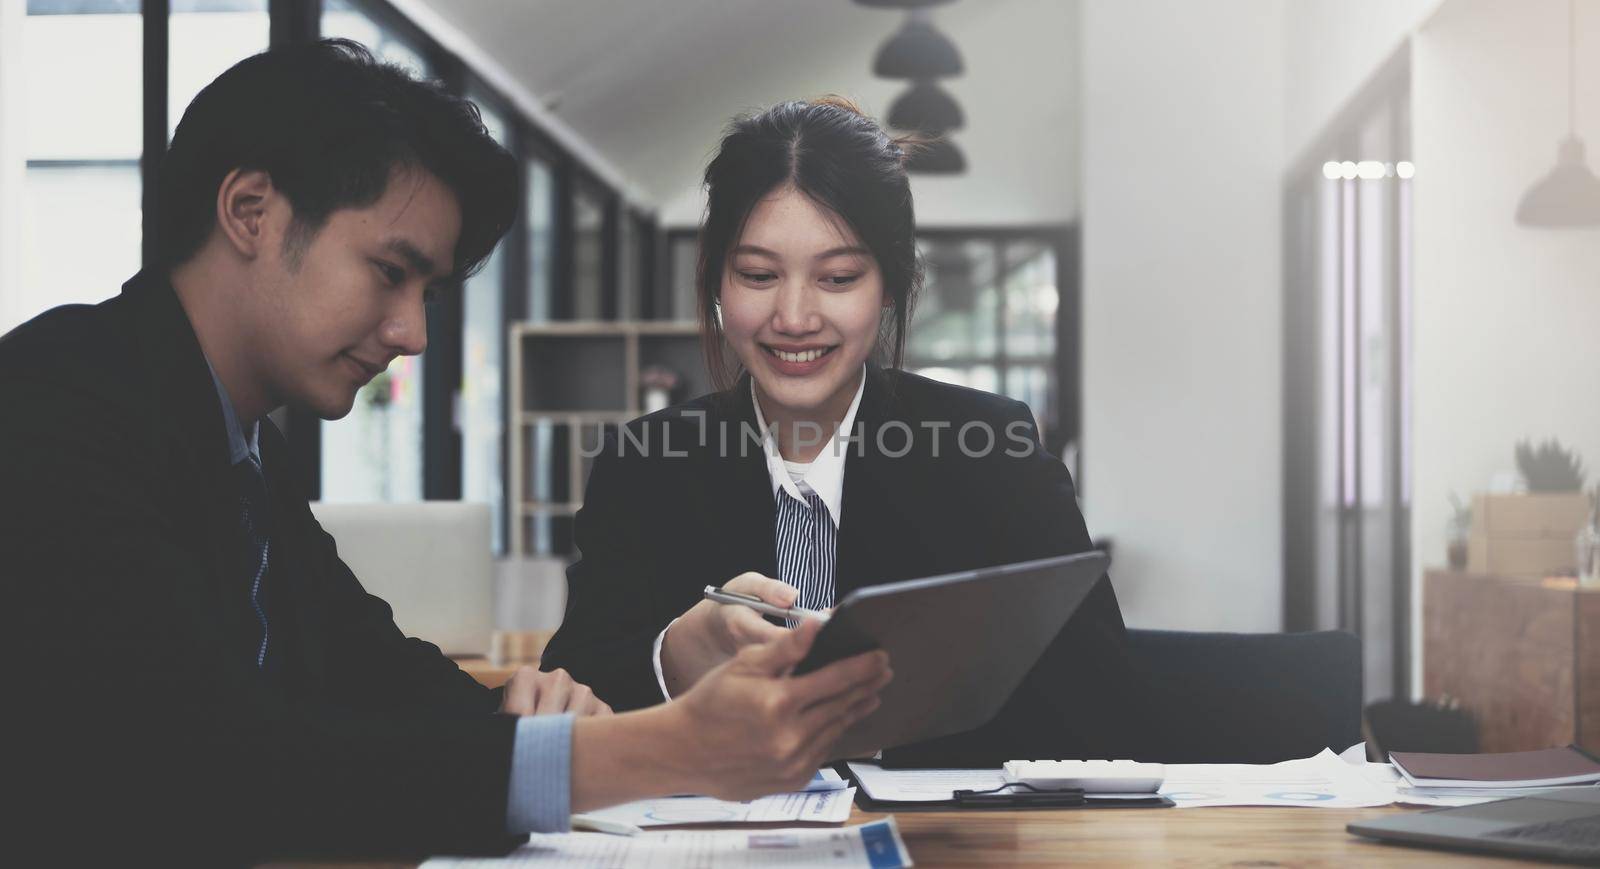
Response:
column 959, row 644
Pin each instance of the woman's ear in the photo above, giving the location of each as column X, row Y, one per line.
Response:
column 242, row 201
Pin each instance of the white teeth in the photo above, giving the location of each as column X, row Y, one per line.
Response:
column 804, row 356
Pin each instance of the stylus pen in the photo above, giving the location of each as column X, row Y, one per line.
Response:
column 732, row 597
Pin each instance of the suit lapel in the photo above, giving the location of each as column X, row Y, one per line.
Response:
column 875, row 529
column 740, row 487
column 294, row 549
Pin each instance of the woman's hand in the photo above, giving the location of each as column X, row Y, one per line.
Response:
column 531, row 692
column 710, row 633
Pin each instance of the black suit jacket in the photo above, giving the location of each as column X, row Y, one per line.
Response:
column 138, row 718
column 670, row 509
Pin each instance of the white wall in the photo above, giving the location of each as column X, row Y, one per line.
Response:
column 1333, row 46
column 1182, row 149
column 1019, row 96
column 1507, row 318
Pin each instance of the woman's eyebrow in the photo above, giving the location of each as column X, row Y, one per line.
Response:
column 843, row 251
column 847, row 250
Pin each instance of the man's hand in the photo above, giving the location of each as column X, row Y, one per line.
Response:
column 748, row 728
column 531, row 692
column 711, row 633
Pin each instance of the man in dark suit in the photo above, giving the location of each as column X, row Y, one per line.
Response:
column 192, row 673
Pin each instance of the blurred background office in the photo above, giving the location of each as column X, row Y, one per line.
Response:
column 1285, row 282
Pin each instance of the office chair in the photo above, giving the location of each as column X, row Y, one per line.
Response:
column 1249, row 698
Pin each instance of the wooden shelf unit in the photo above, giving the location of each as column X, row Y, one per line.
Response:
column 582, row 376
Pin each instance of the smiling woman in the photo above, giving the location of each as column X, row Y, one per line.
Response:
column 807, row 273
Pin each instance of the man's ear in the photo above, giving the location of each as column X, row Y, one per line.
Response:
column 242, row 202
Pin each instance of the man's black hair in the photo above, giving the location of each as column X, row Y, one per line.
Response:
column 330, row 124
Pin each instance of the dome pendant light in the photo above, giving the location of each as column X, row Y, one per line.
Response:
column 939, row 157
column 1569, row 196
column 917, row 51
column 926, row 108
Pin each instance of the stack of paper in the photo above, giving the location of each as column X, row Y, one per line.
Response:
column 802, row 807
column 1503, row 774
column 869, row 846
column 1322, row 781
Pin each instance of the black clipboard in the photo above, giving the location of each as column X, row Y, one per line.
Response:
column 1003, row 798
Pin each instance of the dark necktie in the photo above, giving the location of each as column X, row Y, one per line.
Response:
column 805, row 539
column 254, row 522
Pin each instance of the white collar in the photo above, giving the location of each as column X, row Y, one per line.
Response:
column 826, row 476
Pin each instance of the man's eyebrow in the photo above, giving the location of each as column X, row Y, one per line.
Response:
column 419, row 261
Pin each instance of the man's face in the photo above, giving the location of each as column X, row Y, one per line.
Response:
column 332, row 313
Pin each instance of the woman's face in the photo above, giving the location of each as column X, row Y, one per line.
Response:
column 801, row 302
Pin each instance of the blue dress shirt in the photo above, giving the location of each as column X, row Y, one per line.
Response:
column 540, row 798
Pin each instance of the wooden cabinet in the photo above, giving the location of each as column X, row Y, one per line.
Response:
column 1523, row 656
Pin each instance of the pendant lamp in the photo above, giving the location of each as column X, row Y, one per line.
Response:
column 926, row 108
column 917, row 51
column 1569, row 196
column 939, row 157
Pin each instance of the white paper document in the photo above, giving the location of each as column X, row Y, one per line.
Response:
column 826, row 780
column 1323, row 781
column 922, row 785
column 806, row 807
column 871, row 846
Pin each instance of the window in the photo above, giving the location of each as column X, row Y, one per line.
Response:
column 205, row 37
column 375, row 453
column 1347, row 381
column 342, row 18
column 588, row 251
column 682, row 297
column 71, row 149
column 482, row 406
column 541, row 229
column 987, row 317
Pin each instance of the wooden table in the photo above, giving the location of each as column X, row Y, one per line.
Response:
column 1118, row 837
column 1156, row 837
column 1150, row 837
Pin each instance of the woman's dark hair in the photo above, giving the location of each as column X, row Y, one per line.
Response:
column 331, row 124
column 838, row 158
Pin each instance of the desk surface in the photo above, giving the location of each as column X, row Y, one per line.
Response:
column 1191, row 837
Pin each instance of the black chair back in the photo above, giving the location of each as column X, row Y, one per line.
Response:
column 1250, row 698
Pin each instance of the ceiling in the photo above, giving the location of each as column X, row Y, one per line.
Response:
column 650, row 84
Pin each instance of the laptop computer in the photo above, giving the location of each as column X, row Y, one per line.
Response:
column 1560, row 824
column 432, row 562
